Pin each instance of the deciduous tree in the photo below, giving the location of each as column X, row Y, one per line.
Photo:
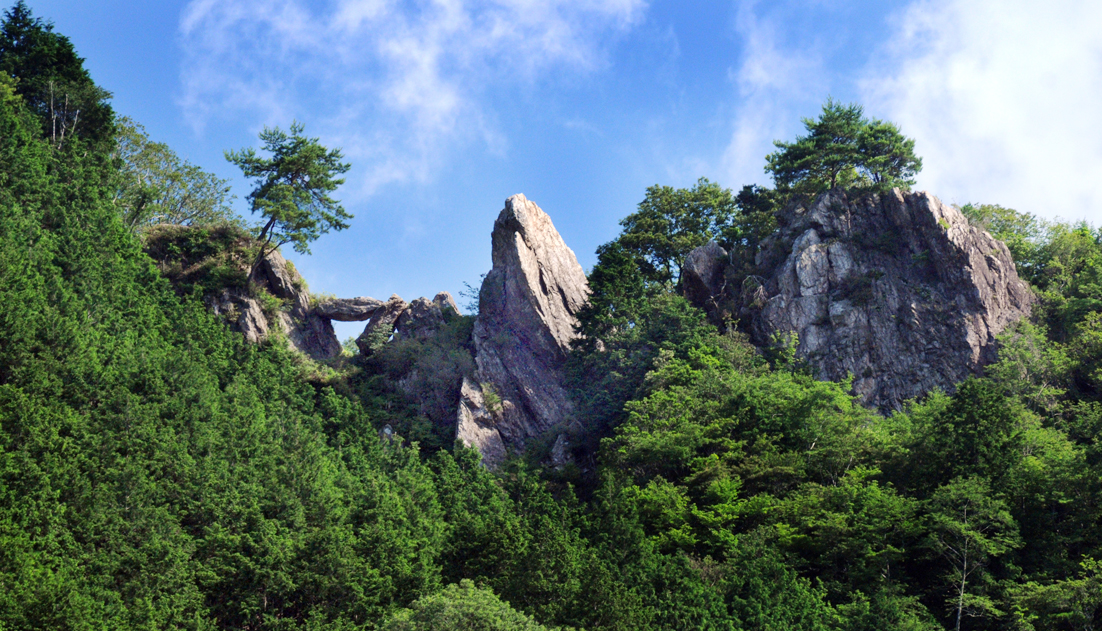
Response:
column 158, row 187
column 969, row 527
column 52, row 79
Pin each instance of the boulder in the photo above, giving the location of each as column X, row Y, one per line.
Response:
column 283, row 281
column 560, row 453
column 445, row 301
column 896, row 289
column 422, row 319
column 348, row 309
column 702, row 277
column 527, row 313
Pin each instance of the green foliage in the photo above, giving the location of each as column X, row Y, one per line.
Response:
column 349, row 347
column 158, row 472
column 52, row 80
column 604, row 380
column 203, row 259
column 969, row 527
column 1022, row 233
column 1032, row 367
column 158, row 187
column 461, row 607
column 618, row 296
column 1072, row 603
column 417, row 379
column 843, row 149
column 754, row 220
column 293, row 187
column 671, row 222
column 978, row 432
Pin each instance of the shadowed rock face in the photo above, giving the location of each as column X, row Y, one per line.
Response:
column 702, row 275
column 898, row 290
column 526, row 320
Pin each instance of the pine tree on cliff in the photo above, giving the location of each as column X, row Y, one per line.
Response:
column 292, row 191
column 843, row 149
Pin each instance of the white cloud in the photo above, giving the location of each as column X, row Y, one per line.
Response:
column 772, row 82
column 396, row 82
column 1002, row 98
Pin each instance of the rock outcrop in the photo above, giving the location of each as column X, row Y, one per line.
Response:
column 348, row 309
column 218, row 260
column 424, row 317
column 476, row 426
column 306, row 330
column 381, row 323
column 702, row 275
column 897, row 290
column 421, row 318
column 526, row 320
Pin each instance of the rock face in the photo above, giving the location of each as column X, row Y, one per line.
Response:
column 702, row 275
column 423, row 317
column 306, row 330
column 384, row 316
column 527, row 307
column 476, row 426
column 898, row 290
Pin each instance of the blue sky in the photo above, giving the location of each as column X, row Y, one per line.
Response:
column 447, row 107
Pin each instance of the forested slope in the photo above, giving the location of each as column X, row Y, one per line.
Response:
column 157, row 472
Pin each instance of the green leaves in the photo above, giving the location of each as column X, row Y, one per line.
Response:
column 461, row 607
column 968, row 528
column 52, row 80
column 293, row 187
column 671, row 222
column 157, row 187
column 843, row 149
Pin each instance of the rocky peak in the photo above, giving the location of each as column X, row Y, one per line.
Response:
column 897, row 290
column 526, row 320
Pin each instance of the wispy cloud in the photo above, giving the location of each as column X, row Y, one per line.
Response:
column 1002, row 97
column 773, row 81
column 398, row 82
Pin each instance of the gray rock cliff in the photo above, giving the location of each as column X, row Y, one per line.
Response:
column 381, row 322
column 476, row 425
column 306, row 330
column 897, row 289
column 527, row 307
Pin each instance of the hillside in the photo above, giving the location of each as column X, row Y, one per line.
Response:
column 176, row 453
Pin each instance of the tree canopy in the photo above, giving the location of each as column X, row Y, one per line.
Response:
column 52, row 79
column 157, row 186
column 158, row 472
column 671, row 222
column 843, row 148
column 293, row 187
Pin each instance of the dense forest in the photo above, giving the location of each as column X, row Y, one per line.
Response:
column 157, row 471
